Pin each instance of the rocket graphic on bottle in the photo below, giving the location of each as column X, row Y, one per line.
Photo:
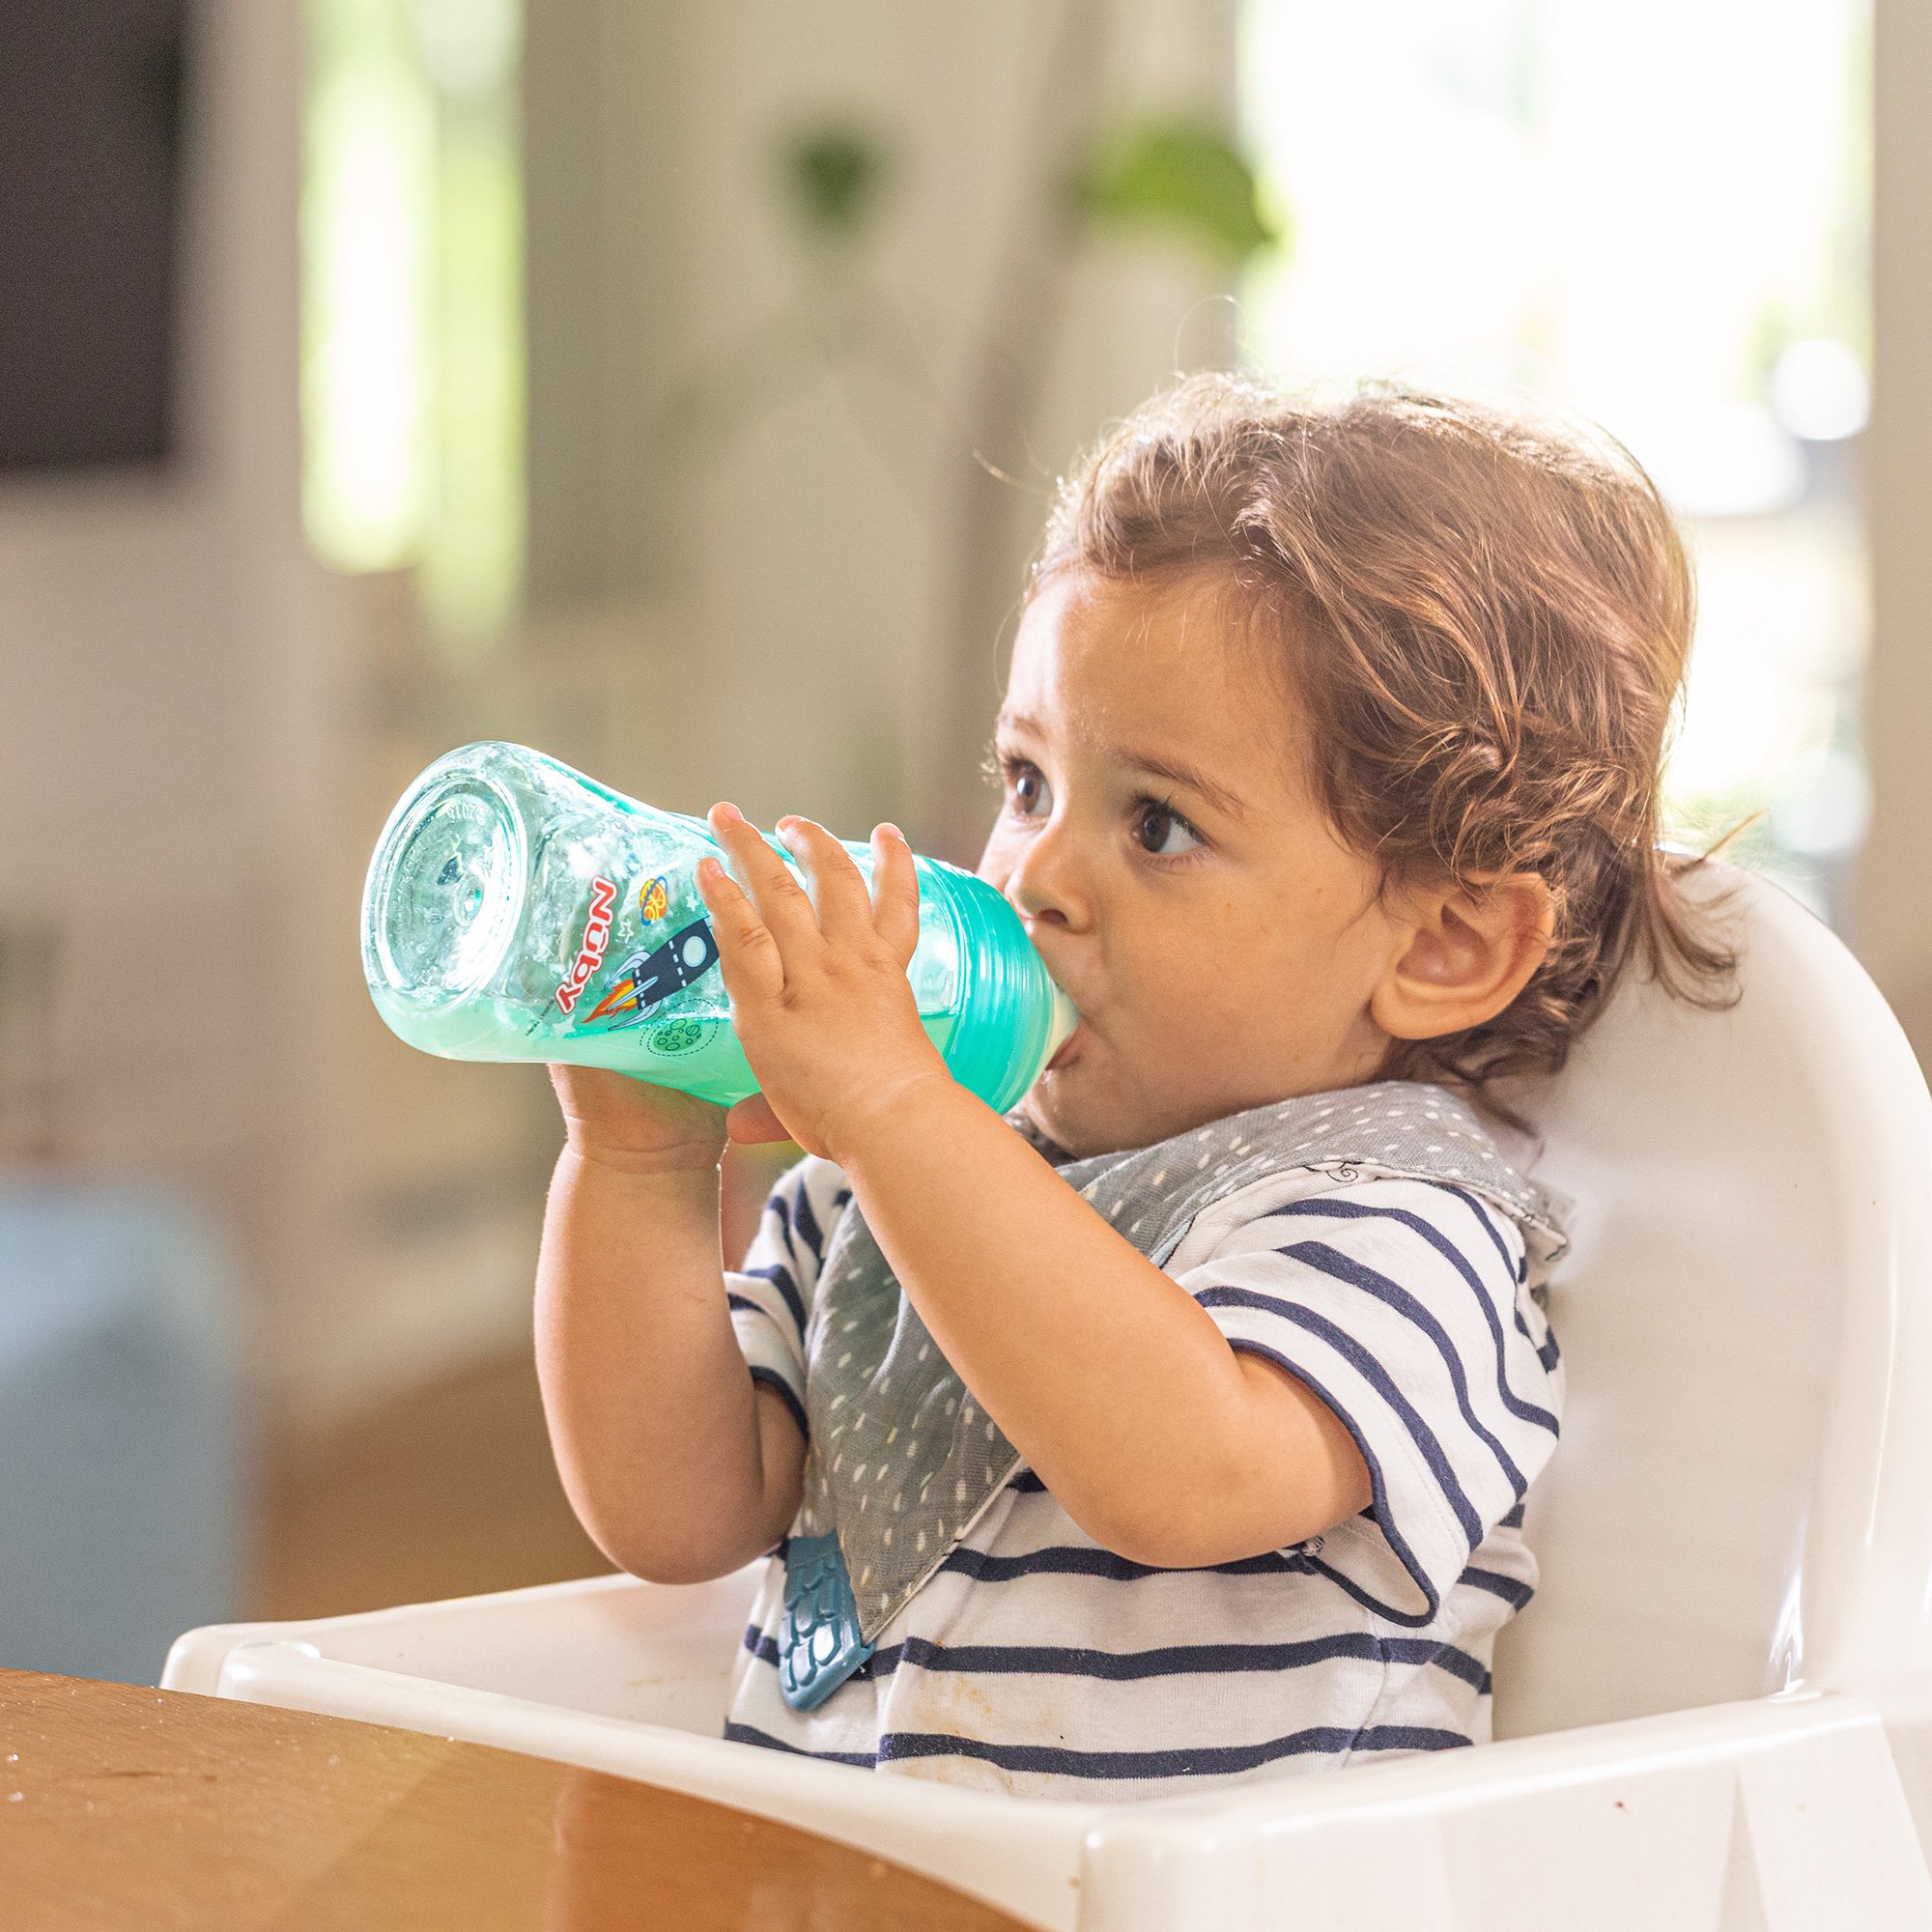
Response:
column 645, row 979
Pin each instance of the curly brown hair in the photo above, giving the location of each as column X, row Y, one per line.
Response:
column 1485, row 621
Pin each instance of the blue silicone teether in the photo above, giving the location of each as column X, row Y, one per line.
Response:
column 819, row 1643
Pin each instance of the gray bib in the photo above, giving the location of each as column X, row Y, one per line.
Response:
column 901, row 1462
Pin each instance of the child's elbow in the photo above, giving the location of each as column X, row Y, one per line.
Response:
column 656, row 1561
column 1157, row 1539
column 676, row 1554
column 1155, row 1547
column 1197, row 1531
column 674, row 1571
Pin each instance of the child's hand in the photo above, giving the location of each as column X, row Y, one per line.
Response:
column 819, row 996
column 618, row 1121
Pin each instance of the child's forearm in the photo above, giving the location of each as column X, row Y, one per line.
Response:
column 1117, row 1387
column 676, row 1463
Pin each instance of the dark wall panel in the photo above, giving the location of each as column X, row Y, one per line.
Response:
column 91, row 117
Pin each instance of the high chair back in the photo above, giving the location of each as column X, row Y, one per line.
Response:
column 1742, row 1499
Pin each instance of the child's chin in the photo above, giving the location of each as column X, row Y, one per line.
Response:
column 1077, row 1122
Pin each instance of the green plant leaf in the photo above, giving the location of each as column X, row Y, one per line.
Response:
column 834, row 173
column 1186, row 177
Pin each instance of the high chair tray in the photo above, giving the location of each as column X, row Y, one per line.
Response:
column 1771, row 1815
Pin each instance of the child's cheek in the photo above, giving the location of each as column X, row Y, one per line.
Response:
column 996, row 859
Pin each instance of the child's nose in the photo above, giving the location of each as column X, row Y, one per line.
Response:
column 1046, row 882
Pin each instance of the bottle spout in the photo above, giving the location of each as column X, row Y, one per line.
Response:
column 1065, row 1017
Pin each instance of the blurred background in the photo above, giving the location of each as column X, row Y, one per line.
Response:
column 680, row 389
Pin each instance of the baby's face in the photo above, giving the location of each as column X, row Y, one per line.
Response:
column 1179, row 879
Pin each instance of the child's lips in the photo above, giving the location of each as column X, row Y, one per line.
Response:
column 1069, row 1048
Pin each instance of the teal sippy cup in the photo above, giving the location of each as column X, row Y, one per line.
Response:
column 517, row 910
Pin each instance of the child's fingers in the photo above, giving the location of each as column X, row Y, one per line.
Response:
column 837, row 886
column 780, row 901
column 895, row 891
column 747, row 955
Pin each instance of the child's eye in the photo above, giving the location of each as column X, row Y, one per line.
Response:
column 1032, row 796
column 1162, row 831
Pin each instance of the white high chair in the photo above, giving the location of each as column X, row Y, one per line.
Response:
column 1718, row 1712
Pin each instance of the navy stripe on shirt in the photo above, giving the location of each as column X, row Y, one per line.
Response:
column 1549, row 1354
column 1073, row 1559
column 1483, row 1221
column 1371, row 1371
column 1133, row 1667
column 772, row 1380
column 780, row 1277
column 1193, row 1659
column 1212, row 1761
column 1513, row 1593
column 1337, row 1266
column 1524, row 1411
column 804, row 1222
column 750, row 1734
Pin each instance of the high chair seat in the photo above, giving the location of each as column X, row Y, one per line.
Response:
column 1718, row 1712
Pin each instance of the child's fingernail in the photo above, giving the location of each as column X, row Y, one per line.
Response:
column 724, row 808
column 892, row 828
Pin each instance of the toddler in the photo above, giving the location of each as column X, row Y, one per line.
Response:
column 1176, row 1428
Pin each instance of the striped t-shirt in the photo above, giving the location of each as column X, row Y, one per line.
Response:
column 1035, row 1660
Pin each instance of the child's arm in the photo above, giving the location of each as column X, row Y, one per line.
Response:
column 1161, row 1441
column 678, row 1465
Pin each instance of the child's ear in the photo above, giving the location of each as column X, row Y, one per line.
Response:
column 1471, row 950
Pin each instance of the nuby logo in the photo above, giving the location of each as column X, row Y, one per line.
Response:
column 596, row 937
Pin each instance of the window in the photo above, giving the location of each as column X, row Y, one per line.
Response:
column 1653, row 213
column 412, row 341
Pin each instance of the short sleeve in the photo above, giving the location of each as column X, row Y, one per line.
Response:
column 771, row 1293
column 1401, row 1304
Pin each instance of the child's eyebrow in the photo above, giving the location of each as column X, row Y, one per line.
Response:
column 1174, row 772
